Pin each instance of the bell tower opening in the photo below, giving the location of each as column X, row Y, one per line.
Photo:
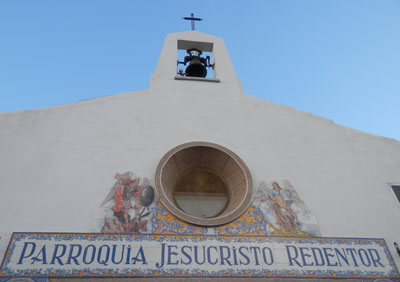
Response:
column 195, row 60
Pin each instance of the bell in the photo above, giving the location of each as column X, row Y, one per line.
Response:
column 197, row 65
column 196, row 69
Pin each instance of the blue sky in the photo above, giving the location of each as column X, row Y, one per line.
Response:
column 339, row 59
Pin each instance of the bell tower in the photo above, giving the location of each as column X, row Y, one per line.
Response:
column 195, row 60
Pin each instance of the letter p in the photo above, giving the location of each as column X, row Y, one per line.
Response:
column 24, row 251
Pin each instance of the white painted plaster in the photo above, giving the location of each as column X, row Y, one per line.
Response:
column 57, row 164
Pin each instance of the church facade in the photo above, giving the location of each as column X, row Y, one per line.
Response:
column 192, row 179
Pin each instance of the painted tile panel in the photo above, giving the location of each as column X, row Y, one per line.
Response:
column 160, row 255
column 276, row 210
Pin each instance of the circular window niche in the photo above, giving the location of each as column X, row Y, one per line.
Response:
column 204, row 183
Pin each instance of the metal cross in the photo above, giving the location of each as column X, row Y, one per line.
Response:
column 192, row 19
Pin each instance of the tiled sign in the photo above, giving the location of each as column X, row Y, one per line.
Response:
column 159, row 255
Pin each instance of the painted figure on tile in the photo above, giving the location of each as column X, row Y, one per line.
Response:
column 124, row 194
column 284, row 213
column 129, row 200
column 280, row 202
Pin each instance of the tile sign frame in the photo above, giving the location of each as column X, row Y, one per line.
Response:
column 98, row 255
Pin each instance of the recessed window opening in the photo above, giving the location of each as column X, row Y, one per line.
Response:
column 396, row 191
column 201, row 192
column 204, row 183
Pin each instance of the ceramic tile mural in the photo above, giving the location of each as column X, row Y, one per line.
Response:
column 276, row 237
column 276, row 210
column 128, row 207
column 284, row 213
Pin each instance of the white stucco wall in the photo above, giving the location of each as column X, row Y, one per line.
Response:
column 57, row 164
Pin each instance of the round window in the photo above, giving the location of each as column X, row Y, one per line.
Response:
column 204, row 183
column 201, row 192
